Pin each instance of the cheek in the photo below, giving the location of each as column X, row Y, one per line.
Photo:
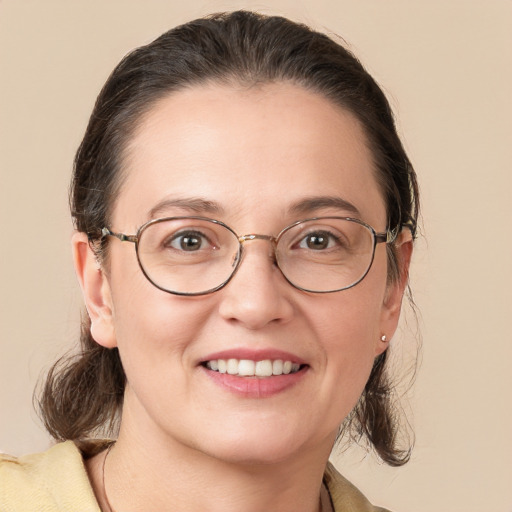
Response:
column 347, row 326
column 151, row 325
column 348, row 337
column 164, row 323
column 350, row 320
column 155, row 341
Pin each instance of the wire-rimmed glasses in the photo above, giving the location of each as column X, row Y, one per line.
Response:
column 198, row 255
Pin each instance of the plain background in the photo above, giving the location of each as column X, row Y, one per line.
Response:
column 446, row 67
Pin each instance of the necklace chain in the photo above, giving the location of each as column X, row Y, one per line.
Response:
column 110, row 509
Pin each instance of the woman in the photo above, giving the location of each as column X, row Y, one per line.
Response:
column 244, row 214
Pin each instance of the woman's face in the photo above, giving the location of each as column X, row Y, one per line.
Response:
column 257, row 159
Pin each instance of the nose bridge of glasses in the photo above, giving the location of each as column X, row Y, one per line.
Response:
column 255, row 236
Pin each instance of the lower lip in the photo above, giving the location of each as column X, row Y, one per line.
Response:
column 256, row 387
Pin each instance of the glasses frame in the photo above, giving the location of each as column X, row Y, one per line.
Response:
column 387, row 237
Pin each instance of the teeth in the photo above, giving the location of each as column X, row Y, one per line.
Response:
column 222, row 365
column 277, row 367
column 232, row 367
column 249, row 368
column 263, row 368
column 246, row 367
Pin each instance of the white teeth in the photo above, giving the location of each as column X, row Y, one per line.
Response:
column 246, row 367
column 263, row 368
column 232, row 367
column 277, row 367
column 249, row 368
column 221, row 363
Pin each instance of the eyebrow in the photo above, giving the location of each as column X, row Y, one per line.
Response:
column 311, row 204
column 194, row 204
column 305, row 206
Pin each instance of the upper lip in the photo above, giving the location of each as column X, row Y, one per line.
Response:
column 254, row 355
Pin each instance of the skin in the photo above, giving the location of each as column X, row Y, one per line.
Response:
column 186, row 443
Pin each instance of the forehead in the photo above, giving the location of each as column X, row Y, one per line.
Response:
column 246, row 150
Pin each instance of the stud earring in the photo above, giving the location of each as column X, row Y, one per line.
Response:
column 383, row 337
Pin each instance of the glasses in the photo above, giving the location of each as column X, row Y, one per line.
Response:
column 198, row 255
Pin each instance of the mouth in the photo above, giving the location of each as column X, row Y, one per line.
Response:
column 255, row 374
column 249, row 368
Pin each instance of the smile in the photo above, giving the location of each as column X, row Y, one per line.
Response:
column 250, row 368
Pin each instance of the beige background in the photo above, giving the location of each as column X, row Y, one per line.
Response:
column 446, row 68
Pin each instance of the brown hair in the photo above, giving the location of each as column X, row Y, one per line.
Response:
column 82, row 396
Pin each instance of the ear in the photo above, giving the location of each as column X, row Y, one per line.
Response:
column 95, row 289
column 392, row 304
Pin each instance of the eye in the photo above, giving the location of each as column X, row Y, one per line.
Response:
column 318, row 241
column 189, row 241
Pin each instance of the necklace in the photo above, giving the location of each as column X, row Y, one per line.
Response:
column 325, row 497
column 110, row 509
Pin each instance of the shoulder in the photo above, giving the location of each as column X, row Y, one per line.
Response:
column 345, row 496
column 50, row 481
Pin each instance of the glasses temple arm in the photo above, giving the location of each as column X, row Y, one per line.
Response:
column 121, row 236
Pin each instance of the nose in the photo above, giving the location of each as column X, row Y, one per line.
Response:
column 258, row 294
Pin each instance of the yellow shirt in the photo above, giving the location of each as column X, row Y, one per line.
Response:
column 56, row 481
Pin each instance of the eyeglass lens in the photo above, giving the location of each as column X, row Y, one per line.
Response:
column 194, row 256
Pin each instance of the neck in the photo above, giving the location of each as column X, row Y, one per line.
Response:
column 143, row 475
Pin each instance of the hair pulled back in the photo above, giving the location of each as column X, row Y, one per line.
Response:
column 82, row 395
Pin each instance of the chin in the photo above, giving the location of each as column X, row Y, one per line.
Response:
column 266, row 444
column 254, row 454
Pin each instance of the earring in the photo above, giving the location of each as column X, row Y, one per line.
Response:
column 383, row 337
